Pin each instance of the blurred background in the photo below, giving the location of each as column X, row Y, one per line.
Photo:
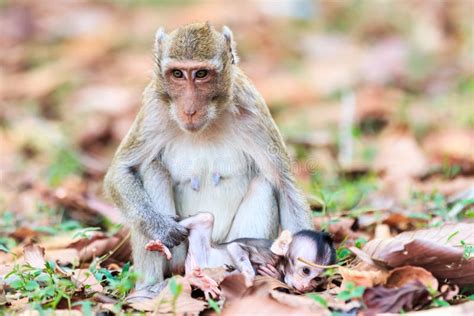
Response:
column 374, row 99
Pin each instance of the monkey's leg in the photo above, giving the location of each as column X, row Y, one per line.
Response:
column 241, row 260
column 257, row 216
column 200, row 232
column 152, row 266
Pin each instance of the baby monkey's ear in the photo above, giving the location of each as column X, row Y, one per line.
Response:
column 282, row 243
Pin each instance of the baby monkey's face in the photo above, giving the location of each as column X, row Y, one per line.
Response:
column 313, row 247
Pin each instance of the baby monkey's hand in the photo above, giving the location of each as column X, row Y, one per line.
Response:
column 157, row 245
column 269, row 270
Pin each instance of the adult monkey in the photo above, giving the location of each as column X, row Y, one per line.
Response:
column 203, row 141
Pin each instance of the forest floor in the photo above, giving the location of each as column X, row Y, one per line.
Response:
column 375, row 103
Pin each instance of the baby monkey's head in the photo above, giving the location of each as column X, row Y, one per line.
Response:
column 316, row 247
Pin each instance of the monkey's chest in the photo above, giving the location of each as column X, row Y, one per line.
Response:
column 211, row 179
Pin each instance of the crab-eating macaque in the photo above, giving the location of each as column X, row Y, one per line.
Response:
column 203, row 141
column 250, row 256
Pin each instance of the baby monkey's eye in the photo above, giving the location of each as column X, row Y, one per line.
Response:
column 177, row 73
column 306, row 270
column 201, row 73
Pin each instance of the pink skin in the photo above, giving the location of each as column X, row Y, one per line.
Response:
column 203, row 282
column 196, row 276
column 269, row 270
column 156, row 245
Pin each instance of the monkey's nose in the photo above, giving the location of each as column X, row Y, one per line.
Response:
column 190, row 113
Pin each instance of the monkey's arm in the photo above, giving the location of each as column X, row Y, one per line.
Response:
column 265, row 145
column 142, row 190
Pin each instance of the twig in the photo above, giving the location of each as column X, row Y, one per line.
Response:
column 314, row 265
column 111, row 252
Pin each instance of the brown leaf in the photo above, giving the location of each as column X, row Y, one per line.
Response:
column 34, row 256
column 454, row 145
column 258, row 301
column 380, row 299
column 339, row 228
column 299, row 301
column 399, row 155
column 100, row 244
column 63, row 256
column 217, row 274
column 234, row 286
column 398, row 277
column 438, row 250
column 85, row 279
column 163, row 303
column 269, row 283
column 363, row 278
column 464, row 309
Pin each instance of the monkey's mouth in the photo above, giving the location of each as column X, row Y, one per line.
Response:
column 193, row 126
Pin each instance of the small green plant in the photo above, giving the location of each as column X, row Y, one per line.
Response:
column 41, row 286
column 360, row 242
column 66, row 162
column 351, row 292
column 66, row 226
column 213, row 304
column 86, row 232
column 119, row 285
column 318, row 299
column 176, row 290
column 468, row 249
column 342, row 252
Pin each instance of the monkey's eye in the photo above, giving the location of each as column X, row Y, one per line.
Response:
column 200, row 74
column 177, row 73
column 306, row 270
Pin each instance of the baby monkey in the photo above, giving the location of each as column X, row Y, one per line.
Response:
column 250, row 256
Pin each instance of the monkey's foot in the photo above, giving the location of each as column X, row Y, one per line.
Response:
column 203, row 282
column 156, row 245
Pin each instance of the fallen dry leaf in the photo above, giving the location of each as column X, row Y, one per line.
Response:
column 34, row 256
column 382, row 231
column 163, row 303
column 398, row 277
column 299, row 301
column 339, row 228
column 452, row 145
column 438, row 250
column 380, row 299
column 258, row 301
column 217, row 274
column 63, row 256
column 269, row 283
column 117, row 246
column 86, row 280
column 234, row 286
column 464, row 309
column 362, row 278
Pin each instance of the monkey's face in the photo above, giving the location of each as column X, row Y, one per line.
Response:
column 301, row 276
column 193, row 89
column 313, row 247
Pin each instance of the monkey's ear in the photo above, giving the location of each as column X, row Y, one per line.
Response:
column 160, row 35
column 281, row 245
column 229, row 38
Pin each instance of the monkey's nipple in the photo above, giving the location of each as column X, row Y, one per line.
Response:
column 195, row 183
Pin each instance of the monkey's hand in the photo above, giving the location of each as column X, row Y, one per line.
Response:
column 167, row 230
column 270, row 271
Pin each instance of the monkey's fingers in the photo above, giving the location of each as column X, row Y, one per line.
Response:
column 157, row 245
column 268, row 271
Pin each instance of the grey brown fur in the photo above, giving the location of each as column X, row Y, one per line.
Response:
column 234, row 124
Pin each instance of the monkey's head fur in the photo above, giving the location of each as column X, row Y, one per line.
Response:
column 193, row 73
